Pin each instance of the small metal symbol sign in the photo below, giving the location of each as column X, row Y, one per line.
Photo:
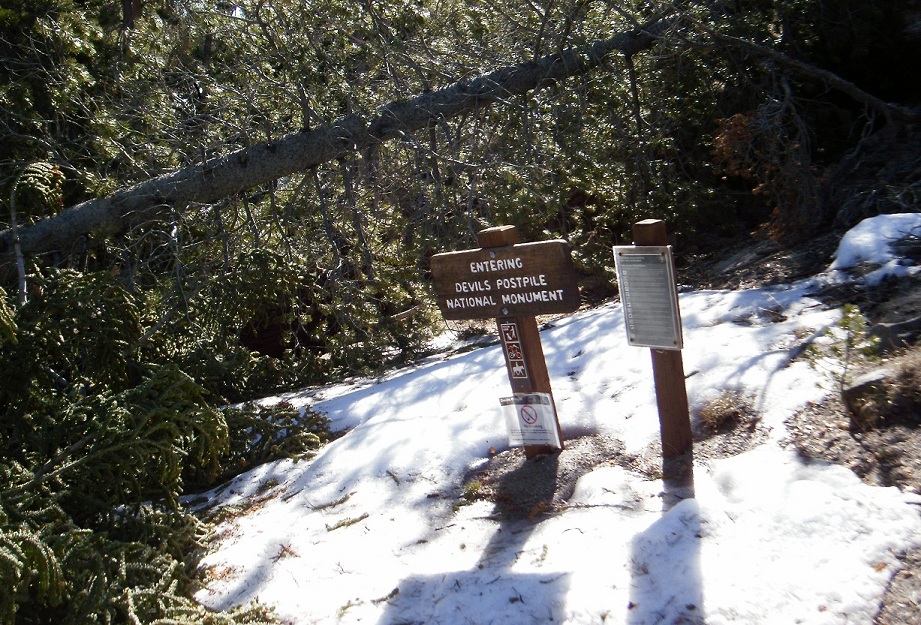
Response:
column 514, row 354
column 531, row 419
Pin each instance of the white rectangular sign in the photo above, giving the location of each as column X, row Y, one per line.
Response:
column 646, row 278
column 531, row 419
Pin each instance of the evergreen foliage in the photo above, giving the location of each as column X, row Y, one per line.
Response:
column 7, row 321
column 98, row 448
column 262, row 433
column 117, row 351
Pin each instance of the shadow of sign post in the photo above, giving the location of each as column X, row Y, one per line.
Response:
column 494, row 589
column 513, row 282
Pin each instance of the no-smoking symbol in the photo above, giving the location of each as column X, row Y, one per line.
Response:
column 528, row 415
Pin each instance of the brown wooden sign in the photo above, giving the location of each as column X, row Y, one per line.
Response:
column 513, row 282
column 522, row 280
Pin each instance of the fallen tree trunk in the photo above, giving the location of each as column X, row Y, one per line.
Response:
column 249, row 167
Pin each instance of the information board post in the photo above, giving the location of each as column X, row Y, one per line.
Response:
column 671, row 391
column 520, row 338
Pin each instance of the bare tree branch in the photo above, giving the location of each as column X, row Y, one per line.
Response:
column 890, row 112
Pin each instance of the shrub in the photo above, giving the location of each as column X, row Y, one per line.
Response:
column 727, row 412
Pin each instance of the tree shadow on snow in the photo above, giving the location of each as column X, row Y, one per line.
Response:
column 491, row 591
column 667, row 583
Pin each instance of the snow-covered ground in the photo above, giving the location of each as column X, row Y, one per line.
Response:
column 367, row 531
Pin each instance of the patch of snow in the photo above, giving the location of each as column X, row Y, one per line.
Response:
column 368, row 531
column 870, row 242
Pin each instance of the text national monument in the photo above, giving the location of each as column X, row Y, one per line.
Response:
column 514, row 282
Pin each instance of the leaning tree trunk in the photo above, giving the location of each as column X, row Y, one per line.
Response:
column 226, row 175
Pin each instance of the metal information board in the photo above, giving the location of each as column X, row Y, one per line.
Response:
column 646, row 276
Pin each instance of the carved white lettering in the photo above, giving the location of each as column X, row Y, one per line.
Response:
column 521, row 282
column 530, row 297
column 472, row 287
column 469, row 302
column 496, row 264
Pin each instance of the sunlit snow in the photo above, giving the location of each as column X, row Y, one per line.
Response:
column 368, row 531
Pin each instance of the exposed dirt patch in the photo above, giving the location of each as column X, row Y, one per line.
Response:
column 737, row 430
column 888, row 455
column 525, row 488
column 750, row 264
column 902, row 603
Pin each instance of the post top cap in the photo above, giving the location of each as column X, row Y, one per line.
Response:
column 498, row 236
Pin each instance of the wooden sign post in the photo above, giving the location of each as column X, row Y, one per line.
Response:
column 512, row 282
column 650, row 301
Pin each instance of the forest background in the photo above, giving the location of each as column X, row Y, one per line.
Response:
column 204, row 203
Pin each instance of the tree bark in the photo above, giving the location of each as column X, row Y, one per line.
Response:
column 226, row 175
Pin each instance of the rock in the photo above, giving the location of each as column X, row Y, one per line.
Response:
column 894, row 335
column 863, row 397
column 747, row 257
